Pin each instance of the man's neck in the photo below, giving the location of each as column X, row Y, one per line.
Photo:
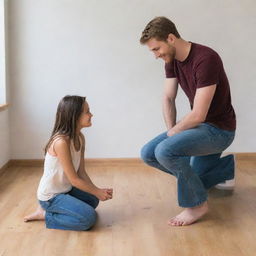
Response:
column 182, row 49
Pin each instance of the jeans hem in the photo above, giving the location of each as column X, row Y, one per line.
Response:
column 193, row 205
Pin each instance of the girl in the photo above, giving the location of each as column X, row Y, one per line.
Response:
column 66, row 194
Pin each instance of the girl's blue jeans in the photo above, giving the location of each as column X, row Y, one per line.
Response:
column 194, row 157
column 74, row 210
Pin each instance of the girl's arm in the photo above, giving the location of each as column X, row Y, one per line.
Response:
column 81, row 171
column 62, row 150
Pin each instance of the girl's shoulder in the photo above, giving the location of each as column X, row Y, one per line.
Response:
column 58, row 140
column 61, row 139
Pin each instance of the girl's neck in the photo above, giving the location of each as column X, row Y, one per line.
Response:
column 78, row 131
column 77, row 142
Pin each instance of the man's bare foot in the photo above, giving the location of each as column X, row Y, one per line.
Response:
column 38, row 214
column 189, row 215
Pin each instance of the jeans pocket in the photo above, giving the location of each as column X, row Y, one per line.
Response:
column 229, row 138
column 213, row 129
column 222, row 138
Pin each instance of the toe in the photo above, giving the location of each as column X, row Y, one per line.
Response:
column 179, row 223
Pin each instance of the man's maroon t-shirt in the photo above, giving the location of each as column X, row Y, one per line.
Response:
column 203, row 67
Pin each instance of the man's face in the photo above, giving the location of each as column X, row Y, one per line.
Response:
column 162, row 49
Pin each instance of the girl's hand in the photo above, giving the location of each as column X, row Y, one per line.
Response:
column 104, row 194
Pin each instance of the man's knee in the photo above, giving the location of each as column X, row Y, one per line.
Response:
column 146, row 154
column 164, row 155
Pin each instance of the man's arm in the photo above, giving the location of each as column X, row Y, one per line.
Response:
column 202, row 102
column 169, row 107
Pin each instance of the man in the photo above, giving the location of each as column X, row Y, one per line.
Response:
column 191, row 148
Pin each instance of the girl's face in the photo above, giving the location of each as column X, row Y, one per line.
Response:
column 85, row 117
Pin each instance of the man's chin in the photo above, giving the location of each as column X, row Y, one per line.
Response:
column 168, row 60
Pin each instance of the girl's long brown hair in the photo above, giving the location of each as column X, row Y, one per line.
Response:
column 68, row 113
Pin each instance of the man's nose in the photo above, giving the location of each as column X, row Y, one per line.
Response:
column 157, row 55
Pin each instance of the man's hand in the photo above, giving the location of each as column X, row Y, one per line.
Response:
column 171, row 132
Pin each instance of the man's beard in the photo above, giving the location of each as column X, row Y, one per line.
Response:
column 171, row 55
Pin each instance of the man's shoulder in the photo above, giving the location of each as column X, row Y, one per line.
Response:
column 203, row 50
column 204, row 54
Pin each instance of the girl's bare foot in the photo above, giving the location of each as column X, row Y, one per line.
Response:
column 39, row 214
column 189, row 215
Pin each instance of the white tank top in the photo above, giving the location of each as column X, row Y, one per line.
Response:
column 54, row 181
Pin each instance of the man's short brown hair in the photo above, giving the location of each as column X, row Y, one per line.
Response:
column 159, row 28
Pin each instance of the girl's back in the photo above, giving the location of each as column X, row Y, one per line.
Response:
column 54, row 180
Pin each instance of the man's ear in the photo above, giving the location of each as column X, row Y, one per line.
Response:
column 171, row 38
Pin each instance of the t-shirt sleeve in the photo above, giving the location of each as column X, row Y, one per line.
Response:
column 207, row 70
column 169, row 70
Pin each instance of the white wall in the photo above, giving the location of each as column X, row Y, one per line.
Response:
column 91, row 48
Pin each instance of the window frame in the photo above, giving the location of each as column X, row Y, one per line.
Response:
column 3, row 75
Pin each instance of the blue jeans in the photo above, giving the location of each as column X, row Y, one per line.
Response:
column 71, row 211
column 193, row 156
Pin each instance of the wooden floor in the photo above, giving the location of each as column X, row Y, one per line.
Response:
column 134, row 223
